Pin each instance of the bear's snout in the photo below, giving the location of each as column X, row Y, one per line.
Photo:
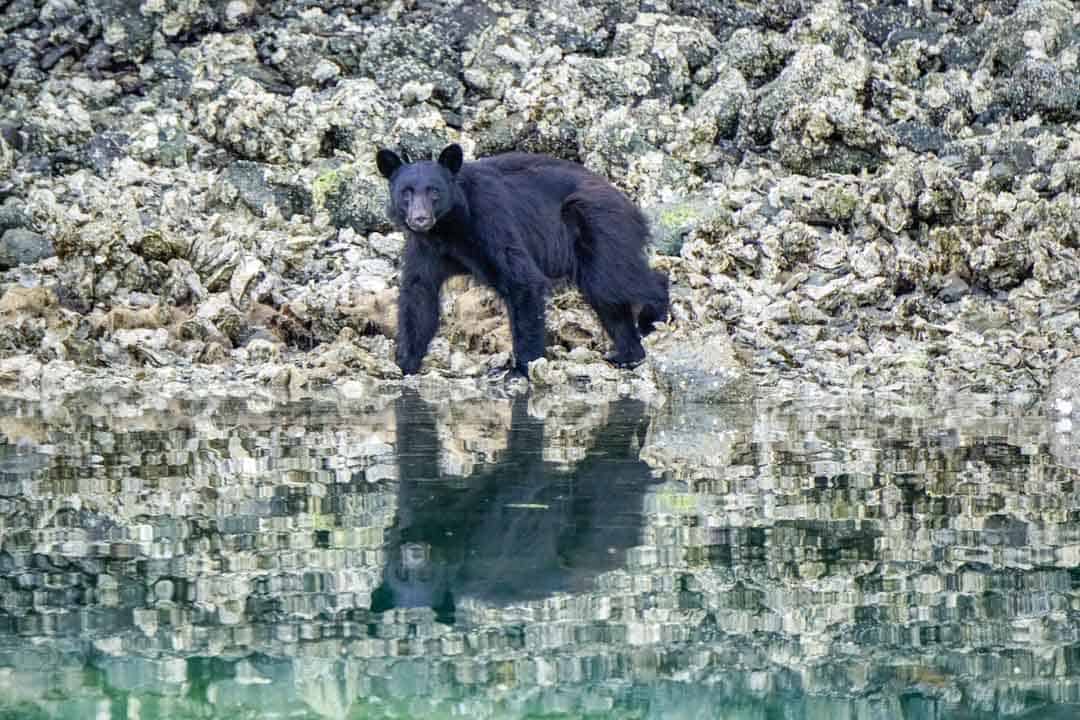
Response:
column 420, row 222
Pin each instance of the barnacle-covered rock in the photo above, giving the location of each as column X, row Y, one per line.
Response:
column 853, row 195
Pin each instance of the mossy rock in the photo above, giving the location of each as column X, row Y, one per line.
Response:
column 672, row 223
column 161, row 246
column 353, row 199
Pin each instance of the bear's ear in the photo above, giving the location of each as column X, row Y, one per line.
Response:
column 451, row 158
column 388, row 162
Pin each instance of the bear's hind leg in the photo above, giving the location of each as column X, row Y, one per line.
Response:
column 609, row 235
column 526, row 307
column 655, row 307
column 619, row 324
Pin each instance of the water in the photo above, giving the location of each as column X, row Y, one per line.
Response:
column 406, row 557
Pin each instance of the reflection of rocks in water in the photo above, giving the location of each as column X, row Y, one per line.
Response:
column 519, row 528
column 849, row 558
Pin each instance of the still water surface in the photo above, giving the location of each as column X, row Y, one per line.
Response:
column 410, row 557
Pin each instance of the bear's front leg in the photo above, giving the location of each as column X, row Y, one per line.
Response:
column 422, row 277
column 526, row 305
column 418, row 321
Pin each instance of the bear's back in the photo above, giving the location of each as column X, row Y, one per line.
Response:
column 526, row 175
column 512, row 162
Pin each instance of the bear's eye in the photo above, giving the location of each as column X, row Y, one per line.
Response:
column 407, row 192
column 434, row 194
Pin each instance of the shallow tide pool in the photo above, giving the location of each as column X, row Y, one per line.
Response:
column 414, row 557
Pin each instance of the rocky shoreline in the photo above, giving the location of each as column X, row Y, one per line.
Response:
column 870, row 197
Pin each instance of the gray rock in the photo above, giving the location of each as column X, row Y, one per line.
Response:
column 394, row 58
column 674, row 50
column 920, row 138
column 253, row 184
column 127, row 32
column 18, row 14
column 758, row 55
column 19, row 246
column 104, row 148
column 13, row 215
column 954, row 289
column 702, row 370
column 1063, row 410
column 1040, row 86
column 353, row 199
column 811, row 115
column 719, row 107
column 1002, row 174
column 580, row 26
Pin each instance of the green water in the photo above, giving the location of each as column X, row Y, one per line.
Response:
column 408, row 557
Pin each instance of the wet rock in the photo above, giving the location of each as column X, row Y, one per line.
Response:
column 373, row 313
column 263, row 351
column 1064, row 394
column 19, row 246
column 213, row 353
column 704, row 369
column 128, row 318
column 476, row 320
column 140, row 339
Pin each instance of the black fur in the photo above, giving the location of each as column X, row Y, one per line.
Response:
column 518, row 223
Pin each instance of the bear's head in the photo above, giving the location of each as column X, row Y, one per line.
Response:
column 421, row 193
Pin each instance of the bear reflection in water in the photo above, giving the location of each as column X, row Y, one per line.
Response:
column 519, row 529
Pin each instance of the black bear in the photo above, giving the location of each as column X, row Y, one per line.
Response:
column 517, row 223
